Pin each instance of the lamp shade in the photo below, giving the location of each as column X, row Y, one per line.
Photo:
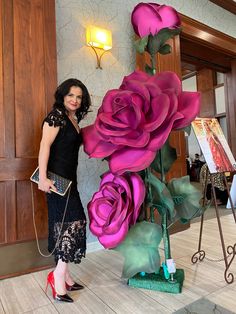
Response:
column 99, row 38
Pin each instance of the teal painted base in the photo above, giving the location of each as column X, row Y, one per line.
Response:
column 158, row 281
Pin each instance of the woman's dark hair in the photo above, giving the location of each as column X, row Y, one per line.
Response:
column 64, row 88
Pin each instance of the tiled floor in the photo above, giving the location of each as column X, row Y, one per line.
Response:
column 106, row 292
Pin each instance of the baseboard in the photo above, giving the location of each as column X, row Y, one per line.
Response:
column 94, row 246
column 21, row 258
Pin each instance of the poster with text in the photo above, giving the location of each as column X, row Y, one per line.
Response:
column 214, row 146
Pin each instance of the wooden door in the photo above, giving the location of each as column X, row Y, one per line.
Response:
column 205, row 85
column 27, row 83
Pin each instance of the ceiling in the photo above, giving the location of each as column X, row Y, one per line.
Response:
column 229, row 5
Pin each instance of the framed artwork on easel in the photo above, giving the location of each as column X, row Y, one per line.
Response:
column 219, row 159
column 214, row 146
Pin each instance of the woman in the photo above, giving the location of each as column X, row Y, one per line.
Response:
column 219, row 155
column 218, row 183
column 58, row 153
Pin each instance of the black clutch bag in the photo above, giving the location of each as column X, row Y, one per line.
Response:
column 62, row 184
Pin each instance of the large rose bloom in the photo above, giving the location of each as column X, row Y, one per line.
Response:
column 136, row 120
column 150, row 18
column 115, row 207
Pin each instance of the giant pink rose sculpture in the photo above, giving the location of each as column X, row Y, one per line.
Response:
column 135, row 120
column 115, row 207
column 150, row 18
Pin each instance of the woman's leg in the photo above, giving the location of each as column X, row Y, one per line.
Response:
column 69, row 279
column 60, row 277
column 71, row 285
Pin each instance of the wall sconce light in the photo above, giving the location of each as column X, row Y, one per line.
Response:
column 99, row 40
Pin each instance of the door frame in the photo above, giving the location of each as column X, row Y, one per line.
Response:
column 209, row 37
column 198, row 32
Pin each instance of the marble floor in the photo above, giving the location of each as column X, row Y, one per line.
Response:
column 106, row 292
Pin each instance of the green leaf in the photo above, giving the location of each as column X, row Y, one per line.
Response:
column 161, row 197
column 166, row 33
column 186, row 197
column 161, row 209
column 169, row 156
column 165, row 49
column 156, row 42
column 140, row 44
column 140, row 249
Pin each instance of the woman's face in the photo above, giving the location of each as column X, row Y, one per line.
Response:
column 72, row 101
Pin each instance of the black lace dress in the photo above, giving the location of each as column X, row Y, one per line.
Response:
column 63, row 160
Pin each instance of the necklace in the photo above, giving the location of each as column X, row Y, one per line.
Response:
column 74, row 121
column 74, row 117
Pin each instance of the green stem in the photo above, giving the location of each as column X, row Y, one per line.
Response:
column 165, row 232
column 152, row 217
column 153, row 64
column 146, row 197
column 166, row 238
column 149, row 190
column 149, row 186
column 163, row 178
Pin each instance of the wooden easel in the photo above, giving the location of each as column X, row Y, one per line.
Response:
column 229, row 252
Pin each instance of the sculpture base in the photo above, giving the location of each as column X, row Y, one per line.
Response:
column 158, row 282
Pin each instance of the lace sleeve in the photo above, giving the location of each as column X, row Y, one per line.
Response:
column 55, row 118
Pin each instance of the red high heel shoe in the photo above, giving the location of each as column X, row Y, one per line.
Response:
column 74, row 287
column 58, row 297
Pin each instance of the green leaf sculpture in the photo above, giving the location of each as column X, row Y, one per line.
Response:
column 161, row 197
column 165, row 49
column 169, row 156
column 158, row 41
column 140, row 44
column 140, row 249
column 186, row 198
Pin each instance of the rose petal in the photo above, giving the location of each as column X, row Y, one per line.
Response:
column 109, row 120
column 167, row 80
column 150, row 18
column 170, row 17
column 114, row 225
column 138, row 138
column 158, row 112
column 189, row 105
column 94, row 146
column 145, row 20
column 95, row 228
column 139, row 192
column 137, row 75
column 109, row 191
column 112, row 240
column 100, row 209
column 131, row 159
column 160, row 135
column 109, row 101
column 139, row 88
column 107, row 131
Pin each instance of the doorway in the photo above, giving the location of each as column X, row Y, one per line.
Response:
column 208, row 65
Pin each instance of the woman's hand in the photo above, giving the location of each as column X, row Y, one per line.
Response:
column 46, row 185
